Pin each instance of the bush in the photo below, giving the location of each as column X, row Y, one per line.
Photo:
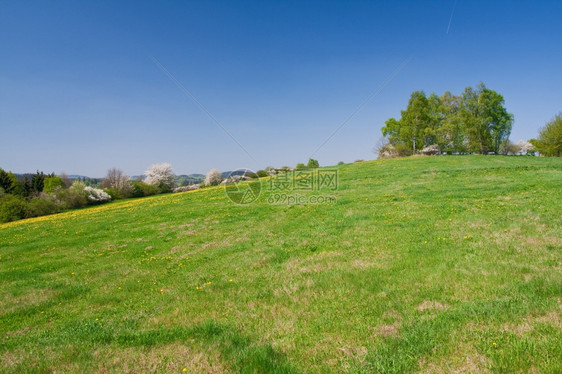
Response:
column 40, row 206
column 113, row 192
column 402, row 150
column 300, row 166
column 262, row 173
column 141, row 189
column 432, row 149
column 96, row 196
column 341, row 163
column 73, row 197
column 12, row 208
column 191, row 187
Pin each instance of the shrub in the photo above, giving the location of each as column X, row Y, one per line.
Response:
column 140, row 189
column 191, row 187
column 402, row 150
column 300, row 166
column 262, row 173
column 113, row 192
column 432, row 149
column 40, row 206
column 341, row 163
column 96, row 196
column 12, row 208
column 73, row 197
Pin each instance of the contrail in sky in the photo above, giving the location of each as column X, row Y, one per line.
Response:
column 451, row 19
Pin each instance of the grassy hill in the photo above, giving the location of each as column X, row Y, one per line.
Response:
column 429, row 264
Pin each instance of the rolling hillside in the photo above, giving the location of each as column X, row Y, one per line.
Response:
column 429, row 264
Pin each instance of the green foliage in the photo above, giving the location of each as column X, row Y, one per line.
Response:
column 73, row 197
column 5, row 181
column 477, row 121
column 486, row 121
column 141, row 189
column 52, row 182
column 40, row 206
column 300, row 166
column 312, row 163
column 262, row 173
column 37, row 182
column 113, row 192
column 549, row 142
column 12, row 208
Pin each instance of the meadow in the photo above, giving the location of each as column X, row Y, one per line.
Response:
column 424, row 264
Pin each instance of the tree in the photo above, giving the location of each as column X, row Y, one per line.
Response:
column 5, row 181
column 486, row 121
column 524, row 147
column 312, row 163
column 449, row 135
column 66, row 179
column 414, row 128
column 549, row 142
column 38, row 182
column 52, row 182
column 213, row 178
column 115, row 178
column 117, row 183
column 161, row 176
column 300, row 166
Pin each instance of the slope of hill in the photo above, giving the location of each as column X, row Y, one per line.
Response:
column 422, row 264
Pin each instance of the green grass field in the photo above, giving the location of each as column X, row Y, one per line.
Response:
column 427, row 264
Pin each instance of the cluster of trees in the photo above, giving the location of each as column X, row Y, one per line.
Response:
column 43, row 194
column 311, row 164
column 474, row 122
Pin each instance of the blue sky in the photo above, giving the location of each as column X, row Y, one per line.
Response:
column 80, row 93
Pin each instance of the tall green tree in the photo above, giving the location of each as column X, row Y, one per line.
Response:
column 450, row 135
column 5, row 181
column 486, row 122
column 37, row 182
column 414, row 126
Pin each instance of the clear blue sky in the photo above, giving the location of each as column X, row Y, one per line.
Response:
column 80, row 93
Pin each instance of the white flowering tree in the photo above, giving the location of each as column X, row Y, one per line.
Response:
column 524, row 147
column 160, row 175
column 213, row 178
